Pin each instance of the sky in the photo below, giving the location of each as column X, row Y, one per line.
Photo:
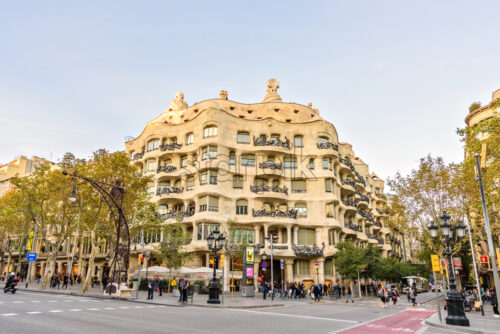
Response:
column 395, row 78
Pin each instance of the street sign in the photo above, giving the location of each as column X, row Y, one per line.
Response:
column 31, row 257
column 282, row 264
column 435, row 263
column 316, row 265
column 264, row 265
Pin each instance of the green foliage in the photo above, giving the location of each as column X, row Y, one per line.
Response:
column 349, row 259
column 474, row 106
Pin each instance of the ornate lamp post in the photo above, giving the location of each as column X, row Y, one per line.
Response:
column 215, row 243
column 456, row 312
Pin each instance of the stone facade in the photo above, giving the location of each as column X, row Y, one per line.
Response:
column 278, row 169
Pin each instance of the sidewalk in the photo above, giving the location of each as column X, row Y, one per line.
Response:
column 478, row 324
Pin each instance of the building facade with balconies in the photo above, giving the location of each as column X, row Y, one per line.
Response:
column 274, row 168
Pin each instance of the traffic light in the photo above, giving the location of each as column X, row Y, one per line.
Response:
column 140, row 260
column 485, row 262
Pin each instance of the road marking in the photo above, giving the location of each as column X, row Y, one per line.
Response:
column 35, row 301
column 75, row 310
column 92, row 309
column 110, row 308
column 8, row 314
column 55, row 311
column 52, row 301
column 17, row 302
column 139, row 307
column 124, row 307
column 150, row 306
column 33, row 312
column 68, row 301
column 295, row 316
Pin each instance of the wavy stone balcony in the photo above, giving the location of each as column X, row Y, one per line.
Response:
column 383, row 212
column 169, row 190
column 137, row 156
column 177, row 214
column 277, row 142
column 304, row 250
column 366, row 215
column 271, row 165
column 266, row 188
column 170, row 147
column 290, row 213
column 349, row 182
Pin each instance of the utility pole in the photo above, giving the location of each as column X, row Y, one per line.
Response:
column 140, row 266
column 74, row 245
column 478, row 287
column 33, row 246
column 491, row 247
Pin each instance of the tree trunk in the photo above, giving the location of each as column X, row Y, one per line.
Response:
column 90, row 267
column 49, row 269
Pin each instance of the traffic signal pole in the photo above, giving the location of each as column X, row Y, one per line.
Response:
column 491, row 247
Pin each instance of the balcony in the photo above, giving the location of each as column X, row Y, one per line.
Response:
column 137, row 156
column 170, row 147
column 266, row 188
column 262, row 141
column 271, row 165
column 348, row 163
column 290, row 213
column 366, row 215
column 174, row 214
column 166, row 169
column 383, row 212
column 378, row 224
column 327, row 145
column 354, row 227
column 349, row 182
column 350, row 202
column 169, row 190
column 303, row 250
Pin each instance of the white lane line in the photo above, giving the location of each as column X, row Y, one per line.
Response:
column 55, row 311
column 110, row 308
column 295, row 316
column 75, row 310
column 139, row 307
column 68, row 301
column 124, row 307
column 35, row 301
column 18, row 302
column 52, row 301
column 33, row 312
column 150, row 306
column 92, row 309
column 8, row 314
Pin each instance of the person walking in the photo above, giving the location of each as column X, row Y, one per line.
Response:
column 349, row 293
column 151, row 288
column 185, row 286
column 317, row 293
column 161, row 284
column 395, row 296
column 381, row 294
column 65, row 281
column 494, row 303
column 179, row 287
column 264, row 289
column 413, row 296
column 104, row 281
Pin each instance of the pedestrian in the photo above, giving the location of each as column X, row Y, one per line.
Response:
column 173, row 284
column 264, row 289
column 413, row 296
column 179, row 284
column 185, row 286
column 151, row 288
column 161, row 284
column 65, row 281
column 104, row 281
column 343, row 290
column 494, row 303
column 38, row 277
column 317, row 293
column 395, row 296
column 349, row 293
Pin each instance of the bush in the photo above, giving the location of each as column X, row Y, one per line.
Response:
column 200, row 283
column 203, row 290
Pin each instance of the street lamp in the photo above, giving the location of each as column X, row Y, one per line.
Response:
column 72, row 198
column 215, row 242
column 272, row 238
column 456, row 313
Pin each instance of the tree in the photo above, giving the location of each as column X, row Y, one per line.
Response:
column 349, row 259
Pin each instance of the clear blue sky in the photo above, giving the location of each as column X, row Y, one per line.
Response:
column 394, row 77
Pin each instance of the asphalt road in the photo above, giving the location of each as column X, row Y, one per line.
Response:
column 39, row 313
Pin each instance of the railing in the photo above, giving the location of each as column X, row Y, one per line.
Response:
column 264, row 188
column 290, row 213
column 169, row 190
column 349, row 182
column 271, row 165
column 327, row 145
column 262, row 141
column 349, row 202
column 380, row 241
column 364, row 198
column 181, row 214
column 377, row 224
column 372, row 236
column 303, row 250
column 170, row 147
column 166, row 169
column 383, row 212
column 366, row 215
column 354, row 227
column 137, row 156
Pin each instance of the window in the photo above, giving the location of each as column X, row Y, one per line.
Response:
column 330, row 210
column 178, row 184
column 276, row 183
column 237, row 181
column 259, row 181
column 150, row 165
column 150, row 188
column 241, row 207
column 332, row 237
column 306, row 236
column 248, row 160
column 327, row 163
column 299, row 186
column 184, row 161
column 232, row 158
column 301, row 267
column 290, row 162
column 329, row 185
column 329, row 267
column 210, row 203
column 241, row 236
column 153, row 145
column 322, row 140
column 190, row 183
column 162, row 209
column 301, row 210
column 189, row 138
column 284, row 236
column 209, row 176
column 209, row 152
column 310, row 165
column 204, row 230
column 243, row 138
column 210, row 131
column 298, row 141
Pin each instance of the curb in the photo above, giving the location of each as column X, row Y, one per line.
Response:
column 140, row 301
column 458, row 329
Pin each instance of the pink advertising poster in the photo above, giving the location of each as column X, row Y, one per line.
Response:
column 249, row 271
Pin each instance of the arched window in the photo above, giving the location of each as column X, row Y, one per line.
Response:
column 210, row 131
column 241, row 207
column 153, row 145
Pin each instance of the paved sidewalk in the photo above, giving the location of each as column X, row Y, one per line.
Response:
column 479, row 324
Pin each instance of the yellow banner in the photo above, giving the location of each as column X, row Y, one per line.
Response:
column 30, row 241
column 249, row 255
column 436, row 264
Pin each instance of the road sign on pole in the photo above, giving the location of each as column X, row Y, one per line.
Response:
column 282, row 264
column 316, row 265
column 31, row 257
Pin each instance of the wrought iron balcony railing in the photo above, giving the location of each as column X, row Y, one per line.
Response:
column 166, row 169
column 327, row 145
column 349, row 202
column 271, row 165
column 262, row 141
column 349, row 182
column 366, row 215
column 137, row 156
column 181, row 214
column 170, row 147
column 266, row 188
column 290, row 213
column 169, row 190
